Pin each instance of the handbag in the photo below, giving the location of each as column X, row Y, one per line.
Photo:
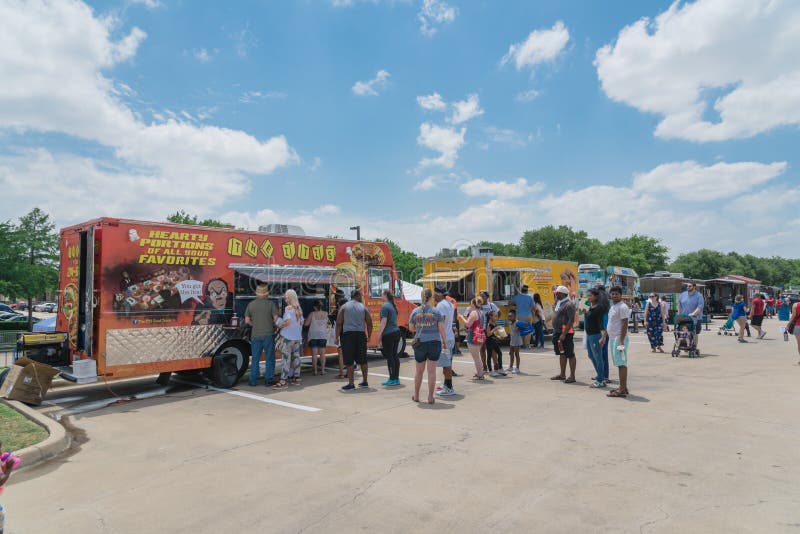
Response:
column 478, row 335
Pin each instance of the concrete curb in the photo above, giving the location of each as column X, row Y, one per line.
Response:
column 57, row 442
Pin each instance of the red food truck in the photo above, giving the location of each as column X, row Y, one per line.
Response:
column 143, row 297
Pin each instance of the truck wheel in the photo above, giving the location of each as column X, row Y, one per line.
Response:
column 239, row 353
column 223, row 371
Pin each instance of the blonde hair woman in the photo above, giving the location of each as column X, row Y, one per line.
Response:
column 291, row 328
column 472, row 320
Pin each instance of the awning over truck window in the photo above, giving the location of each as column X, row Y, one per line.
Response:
column 287, row 274
column 444, row 276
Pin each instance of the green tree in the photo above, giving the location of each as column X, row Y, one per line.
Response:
column 181, row 217
column 641, row 253
column 29, row 255
column 560, row 243
column 705, row 264
column 407, row 263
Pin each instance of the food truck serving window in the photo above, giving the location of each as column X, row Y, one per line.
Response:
column 459, row 284
column 380, row 278
column 505, row 284
column 287, row 274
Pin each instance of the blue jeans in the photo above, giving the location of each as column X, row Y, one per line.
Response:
column 605, row 360
column 538, row 334
column 257, row 346
column 596, row 355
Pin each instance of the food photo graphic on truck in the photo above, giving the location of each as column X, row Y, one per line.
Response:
column 143, row 297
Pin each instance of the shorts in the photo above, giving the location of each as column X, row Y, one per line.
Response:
column 741, row 321
column 354, row 348
column 756, row 320
column 317, row 343
column 569, row 345
column 428, row 350
column 446, row 355
column 620, row 357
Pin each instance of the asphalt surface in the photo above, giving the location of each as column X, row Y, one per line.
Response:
column 703, row 445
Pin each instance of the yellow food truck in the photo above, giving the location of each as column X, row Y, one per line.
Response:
column 464, row 277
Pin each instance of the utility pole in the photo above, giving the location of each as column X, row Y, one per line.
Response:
column 358, row 232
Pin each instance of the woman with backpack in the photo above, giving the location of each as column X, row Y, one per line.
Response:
column 476, row 336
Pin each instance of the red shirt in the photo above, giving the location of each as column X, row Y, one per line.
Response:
column 770, row 301
column 758, row 307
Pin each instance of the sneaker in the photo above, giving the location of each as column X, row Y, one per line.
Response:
column 762, row 334
column 597, row 384
column 515, row 370
column 348, row 387
column 387, row 382
column 502, row 372
column 510, row 370
column 395, row 382
column 363, row 384
column 742, row 340
column 446, row 392
column 494, row 373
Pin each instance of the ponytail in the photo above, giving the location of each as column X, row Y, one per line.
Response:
column 390, row 298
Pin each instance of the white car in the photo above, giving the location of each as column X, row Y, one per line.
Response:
column 43, row 307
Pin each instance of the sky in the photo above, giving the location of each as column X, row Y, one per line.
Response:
column 433, row 123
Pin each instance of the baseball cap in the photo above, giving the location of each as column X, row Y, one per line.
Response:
column 563, row 290
column 439, row 290
column 484, row 292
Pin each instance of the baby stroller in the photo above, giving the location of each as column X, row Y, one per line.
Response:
column 685, row 336
column 729, row 328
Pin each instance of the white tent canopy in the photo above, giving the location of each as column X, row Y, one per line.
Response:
column 412, row 292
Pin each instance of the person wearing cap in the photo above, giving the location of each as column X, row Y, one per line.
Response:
column 563, row 334
column 486, row 309
column 446, row 357
column 524, row 306
column 261, row 314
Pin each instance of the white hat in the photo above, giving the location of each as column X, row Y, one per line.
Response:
column 563, row 290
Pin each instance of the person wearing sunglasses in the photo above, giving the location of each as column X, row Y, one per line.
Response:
column 691, row 303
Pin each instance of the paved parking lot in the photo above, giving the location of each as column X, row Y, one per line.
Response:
column 703, row 445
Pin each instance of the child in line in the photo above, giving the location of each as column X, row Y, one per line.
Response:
column 515, row 342
column 493, row 353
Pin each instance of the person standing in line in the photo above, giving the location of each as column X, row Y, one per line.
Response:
column 654, row 323
column 261, row 314
column 487, row 307
column 563, row 334
column 635, row 311
column 595, row 335
column 339, row 300
column 524, row 306
column 472, row 322
column 665, row 312
column 353, row 329
column 291, row 327
column 446, row 358
column 792, row 325
column 739, row 316
column 317, row 323
column 691, row 303
column 619, row 340
column 494, row 354
column 389, row 334
column 538, row 321
column 427, row 324
column 757, row 314
column 454, row 327
column 515, row 342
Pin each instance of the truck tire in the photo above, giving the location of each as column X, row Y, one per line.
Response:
column 229, row 363
column 240, row 350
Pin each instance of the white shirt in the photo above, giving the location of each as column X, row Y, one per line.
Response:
column 293, row 328
column 616, row 314
column 446, row 309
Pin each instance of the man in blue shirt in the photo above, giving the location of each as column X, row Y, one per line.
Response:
column 691, row 303
column 524, row 304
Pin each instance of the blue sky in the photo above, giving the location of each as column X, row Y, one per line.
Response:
column 683, row 125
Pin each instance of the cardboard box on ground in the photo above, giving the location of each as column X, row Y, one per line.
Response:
column 27, row 381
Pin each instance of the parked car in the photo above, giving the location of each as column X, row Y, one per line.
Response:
column 8, row 315
column 50, row 307
column 20, row 306
column 43, row 306
column 21, row 319
column 6, row 308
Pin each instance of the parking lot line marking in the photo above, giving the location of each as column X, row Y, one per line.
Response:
column 252, row 396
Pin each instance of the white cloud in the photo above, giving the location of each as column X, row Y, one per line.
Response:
column 52, row 56
column 519, row 188
column 541, row 46
column 527, row 96
column 370, row 87
column 507, row 136
column 434, row 13
column 432, row 102
column 315, row 164
column 251, row 96
column 202, row 55
column 244, row 40
column 446, row 141
column 694, row 182
column 149, row 4
column 739, row 57
column 464, row 110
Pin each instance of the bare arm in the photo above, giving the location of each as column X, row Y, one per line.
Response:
column 624, row 333
column 382, row 327
column 443, row 333
column 339, row 324
column 368, row 319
